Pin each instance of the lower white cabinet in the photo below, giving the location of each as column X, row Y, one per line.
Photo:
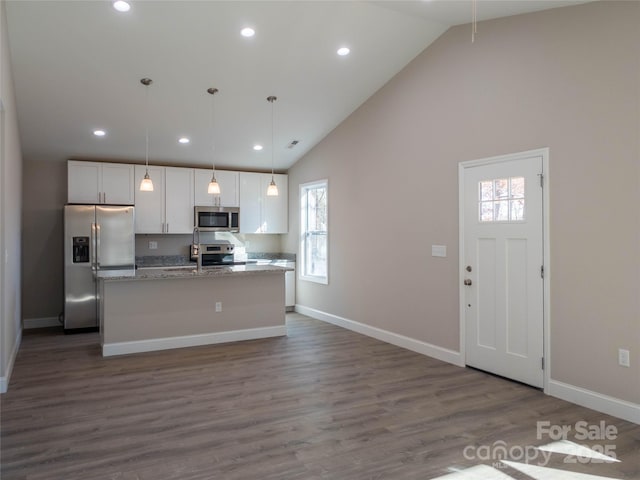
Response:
column 169, row 208
column 290, row 287
column 260, row 213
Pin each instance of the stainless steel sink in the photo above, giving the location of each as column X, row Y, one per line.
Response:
column 170, row 268
column 179, row 269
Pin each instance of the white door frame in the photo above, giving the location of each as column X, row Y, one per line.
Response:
column 462, row 166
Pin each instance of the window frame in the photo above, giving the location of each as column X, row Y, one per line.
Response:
column 304, row 188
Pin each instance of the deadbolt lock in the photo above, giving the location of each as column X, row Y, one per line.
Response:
column 468, row 269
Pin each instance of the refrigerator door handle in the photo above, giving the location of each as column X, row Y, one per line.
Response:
column 93, row 246
column 97, row 246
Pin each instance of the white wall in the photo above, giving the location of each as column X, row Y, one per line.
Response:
column 567, row 79
column 10, row 208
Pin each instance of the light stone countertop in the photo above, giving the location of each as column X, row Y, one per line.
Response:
column 159, row 273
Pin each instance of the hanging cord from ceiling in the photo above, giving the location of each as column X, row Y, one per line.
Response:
column 474, row 20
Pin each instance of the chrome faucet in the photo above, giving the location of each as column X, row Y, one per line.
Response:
column 195, row 248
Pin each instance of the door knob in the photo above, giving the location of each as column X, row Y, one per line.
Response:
column 467, row 281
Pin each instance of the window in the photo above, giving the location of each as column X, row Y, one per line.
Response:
column 313, row 231
column 501, row 200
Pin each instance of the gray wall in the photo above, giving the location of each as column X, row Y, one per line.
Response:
column 567, row 79
column 10, row 207
column 45, row 192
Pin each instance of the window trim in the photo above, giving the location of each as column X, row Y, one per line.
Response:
column 302, row 197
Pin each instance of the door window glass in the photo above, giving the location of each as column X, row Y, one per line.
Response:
column 501, row 200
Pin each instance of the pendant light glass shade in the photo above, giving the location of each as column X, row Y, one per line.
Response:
column 272, row 189
column 146, row 185
column 214, row 186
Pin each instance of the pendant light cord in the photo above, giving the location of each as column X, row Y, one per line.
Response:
column 146, row 121
column 213, row 92
column 146, row 82
column 474, row 20
column 271, row 100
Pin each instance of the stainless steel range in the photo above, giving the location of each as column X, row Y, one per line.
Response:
column 218, row 253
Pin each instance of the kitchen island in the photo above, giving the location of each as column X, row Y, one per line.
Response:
column 173, row 307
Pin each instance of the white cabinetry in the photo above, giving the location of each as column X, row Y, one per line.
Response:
column 169, row 208
column 228, row 182
column 260, row 213
column 290, row 286
column 178, row 200
column 96, row 182
column 150, row 205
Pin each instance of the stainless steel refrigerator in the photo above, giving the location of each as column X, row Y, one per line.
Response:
column 96, row 238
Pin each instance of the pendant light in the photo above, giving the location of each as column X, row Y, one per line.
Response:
column 214, row 187
column 146, row 185
column 272, row 189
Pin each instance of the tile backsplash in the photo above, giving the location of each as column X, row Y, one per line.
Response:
column 180, row 244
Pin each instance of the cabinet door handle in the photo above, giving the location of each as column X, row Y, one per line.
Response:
column 167, row 231
column 104, row 197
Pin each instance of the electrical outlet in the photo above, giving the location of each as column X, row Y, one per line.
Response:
column 218, row 306
column 153, row 245
column 623, row 358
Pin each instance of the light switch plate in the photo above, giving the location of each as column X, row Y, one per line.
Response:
column 623, row 358
column 153, row 245
column 438, row 250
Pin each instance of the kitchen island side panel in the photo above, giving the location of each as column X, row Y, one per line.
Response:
column 138, row 310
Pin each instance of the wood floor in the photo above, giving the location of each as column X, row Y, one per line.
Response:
column 322, row 403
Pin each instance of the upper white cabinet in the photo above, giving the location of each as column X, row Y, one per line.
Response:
column 228, row 181
column 260, row 213
column 169, row 208
column 100, row 183
column 150, row 205
column 178, row 201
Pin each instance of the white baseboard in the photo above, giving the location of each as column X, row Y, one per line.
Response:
column 138, row 346
column 28, row 323
column 418, row 346
column 4, row 380
column 595, row 401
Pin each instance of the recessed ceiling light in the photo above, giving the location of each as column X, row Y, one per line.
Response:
column 183, row 140
column 99, row 133
column 343, row 51
column 121, row 6
column 257, row 148
column 247, row 32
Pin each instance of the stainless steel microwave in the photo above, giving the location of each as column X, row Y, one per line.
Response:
column 217, row 219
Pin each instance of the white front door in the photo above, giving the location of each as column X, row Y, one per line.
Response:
column 502, row 263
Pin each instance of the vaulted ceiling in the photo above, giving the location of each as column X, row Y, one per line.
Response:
column 77, row 67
